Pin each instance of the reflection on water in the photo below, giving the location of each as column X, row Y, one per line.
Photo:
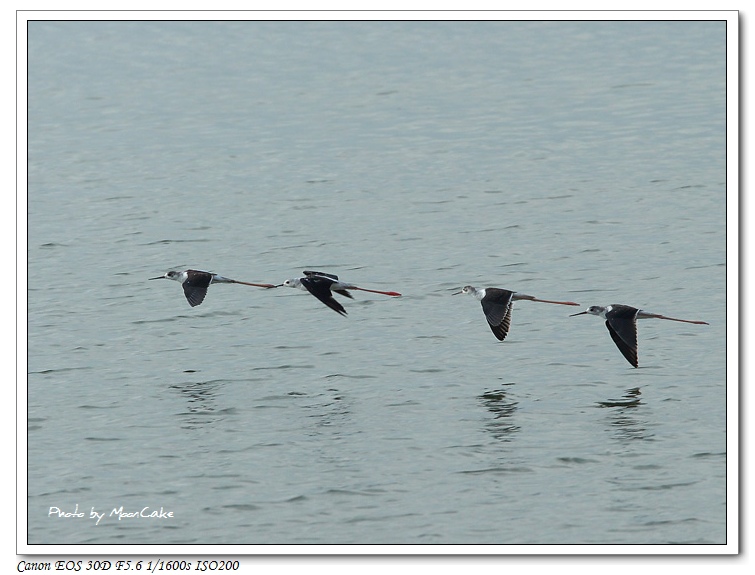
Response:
column 631, row 399
column 623, row 420
column 327, row 409
column 503, row 408
column 201, row 406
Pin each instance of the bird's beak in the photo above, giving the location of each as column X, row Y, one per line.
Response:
column 580, row 313
column 457, row 292
column 158, row 278
column 279, row 285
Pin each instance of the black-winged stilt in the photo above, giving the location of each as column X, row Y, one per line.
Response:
column 497, row 303
column 322, row 286
column 196, row 282
column 621, row 321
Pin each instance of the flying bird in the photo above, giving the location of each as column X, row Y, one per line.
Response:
column 621, row 321
column 322, row 285
column 196, row 282
column 497, row 303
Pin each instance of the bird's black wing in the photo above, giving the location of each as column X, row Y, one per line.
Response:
column 195, row 287
column 320, row 288
column 323, row 274
column 194, row 294
column 497, row 308
column 343, row 292
column 622, row 325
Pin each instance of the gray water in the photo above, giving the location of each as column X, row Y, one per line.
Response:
column 566, row 160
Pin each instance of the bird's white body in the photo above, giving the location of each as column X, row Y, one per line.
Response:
column 182, row 276
column 294, row 283
column 179, row 276
column 477, row 293
column 480, row 293
column 603, row 311
column 599, row 310
column 335, row 285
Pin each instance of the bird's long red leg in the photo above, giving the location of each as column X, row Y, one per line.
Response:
column 675, row 319
column 391, row 293
column 255, row 285
column 558, row 302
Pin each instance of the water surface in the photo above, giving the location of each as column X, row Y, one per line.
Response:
column 566, row 160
